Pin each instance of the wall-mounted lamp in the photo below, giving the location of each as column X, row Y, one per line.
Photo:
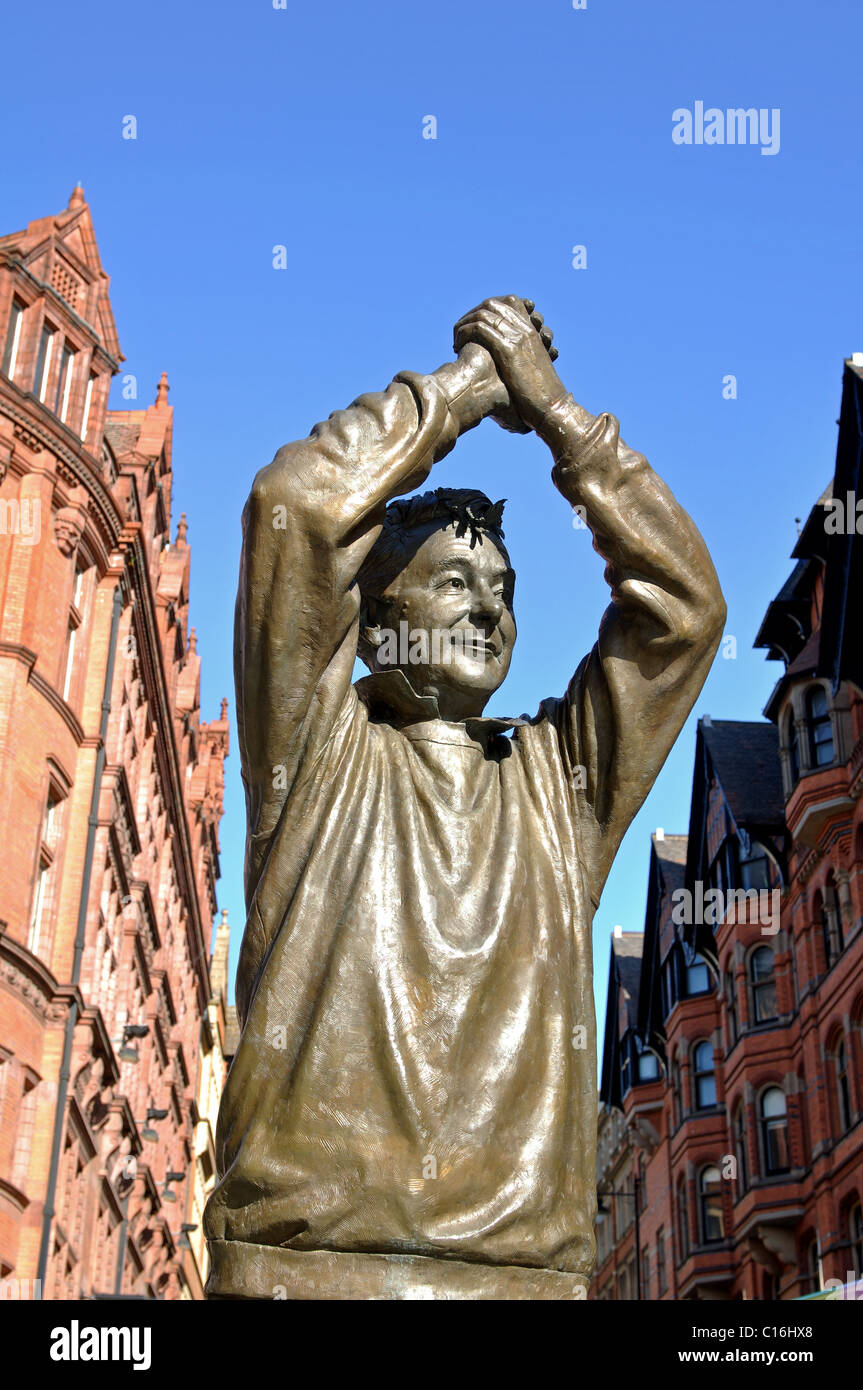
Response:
column 132, row 1030
column 148, row 1132
column 185, row 1231
column 167, row 1194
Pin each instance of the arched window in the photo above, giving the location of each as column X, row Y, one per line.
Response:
column 740, row 1148
column 811, row 1263
column 757, row 870
column 697, row 978
column 843, row 1088
column 774, row 1131
column 704, row 1078
column 710, row 1202
column 682, row 1219
column 763, row 985
column 831, row 923
column 820, row 727
column 855, row 1235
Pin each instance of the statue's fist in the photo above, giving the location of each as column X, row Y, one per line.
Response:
column 520, row 345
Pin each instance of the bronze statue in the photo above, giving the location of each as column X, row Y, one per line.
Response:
column 411, row 1112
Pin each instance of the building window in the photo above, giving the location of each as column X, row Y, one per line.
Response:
column 647, row 1064
column 43, row 874
column 13, row 339
column 820, row 727
column 774, row 1131
column 88, row 401
column 682, row 1219
column 677, row 1089
column 697, row 977
column 64, row 382
column 793, row 749
column 710, row 1196
column 43, row 361
column 625, row 1063
column 763, row 985
column 70, row 659
column 731, row 1007
column 703, row 1076
column 812, row 1265
column 855, row 1234
column 645, row 1273
column 756, row 870
column 843, row 1089
column 661, row 1277
column 739, row 1125
column 831, row 924
column 670, row 978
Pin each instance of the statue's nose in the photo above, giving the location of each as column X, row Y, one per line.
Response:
column 487, row 603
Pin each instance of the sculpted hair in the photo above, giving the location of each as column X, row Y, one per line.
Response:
column 401, row 536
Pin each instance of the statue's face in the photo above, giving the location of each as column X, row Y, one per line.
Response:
column 458, row 591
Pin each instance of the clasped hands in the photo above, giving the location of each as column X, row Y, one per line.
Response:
column 506, row 349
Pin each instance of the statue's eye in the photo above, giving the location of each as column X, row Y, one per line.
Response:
column 455, row 581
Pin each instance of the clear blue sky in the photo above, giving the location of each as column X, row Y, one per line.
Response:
column 303, row 127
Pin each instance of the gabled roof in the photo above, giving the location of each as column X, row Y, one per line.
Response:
column 743, row 756
column 624, row 974
column 786, row 628
column 62, row 251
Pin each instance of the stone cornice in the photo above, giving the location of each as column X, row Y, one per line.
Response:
column 32, row 981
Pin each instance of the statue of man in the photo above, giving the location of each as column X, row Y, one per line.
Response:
column 411, row 1112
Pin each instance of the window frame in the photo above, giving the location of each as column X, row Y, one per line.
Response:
column 699, row 1075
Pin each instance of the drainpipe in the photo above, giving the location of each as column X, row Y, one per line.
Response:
column 80, row 935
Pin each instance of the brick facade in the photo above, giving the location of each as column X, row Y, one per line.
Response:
column 110, row 800
column 732, row 1077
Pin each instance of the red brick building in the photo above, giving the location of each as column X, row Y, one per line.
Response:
column 111, row 1025
column 732, row 1075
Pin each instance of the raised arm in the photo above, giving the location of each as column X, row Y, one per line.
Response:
column 630, row 697
column 312, row 517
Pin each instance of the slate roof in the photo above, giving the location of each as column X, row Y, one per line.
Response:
column 745, row 756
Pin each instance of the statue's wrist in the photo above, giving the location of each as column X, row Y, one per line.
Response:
column 564, row 425
column 472, row 391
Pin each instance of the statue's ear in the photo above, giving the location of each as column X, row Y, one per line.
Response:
column 372, row 620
